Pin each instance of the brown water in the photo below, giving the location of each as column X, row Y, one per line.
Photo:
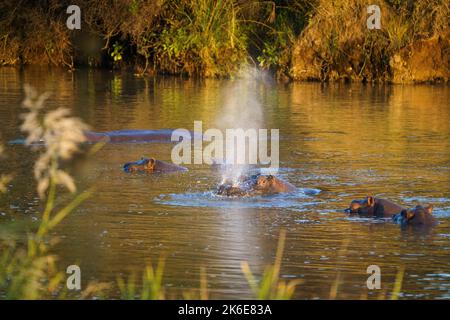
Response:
column 347, row 141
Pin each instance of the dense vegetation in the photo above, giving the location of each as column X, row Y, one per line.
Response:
column 299, row 39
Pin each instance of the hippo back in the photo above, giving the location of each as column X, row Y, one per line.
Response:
column 161, row 166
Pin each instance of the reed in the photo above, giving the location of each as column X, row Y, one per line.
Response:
column 270, row 286
column 4, row 178
column 398, row 283
column 30, row 271
column 151, row 287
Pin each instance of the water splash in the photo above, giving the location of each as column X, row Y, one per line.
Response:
column 241, row 110
column 296, row 200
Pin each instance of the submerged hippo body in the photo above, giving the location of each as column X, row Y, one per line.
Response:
column 150, row 165
column 131, row 136
column 128, row 136
column 376, row 207
column 417, row 217
column 255, row 185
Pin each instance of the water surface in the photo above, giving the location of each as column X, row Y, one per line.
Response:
column 346, row 141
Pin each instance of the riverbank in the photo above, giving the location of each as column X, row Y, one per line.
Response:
column 295, row 40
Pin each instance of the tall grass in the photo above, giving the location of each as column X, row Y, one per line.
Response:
column 276, row 41
column 29, row 271
column 151, row 285
column 398, row 283
column 270, row 287
column 199, row 294
column 201, row 37
column 4, row 178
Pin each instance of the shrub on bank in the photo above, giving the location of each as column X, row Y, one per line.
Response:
column 208, row 38
column 318, row 40
column 412, row 44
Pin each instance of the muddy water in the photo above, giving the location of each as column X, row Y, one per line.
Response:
column 346, row 141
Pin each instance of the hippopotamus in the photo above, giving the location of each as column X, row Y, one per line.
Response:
column 151, row 165
column 377, row 207
column 136, row 136
column 257, row 184
column 124, row 136
column 418, row 216
column 130, row 136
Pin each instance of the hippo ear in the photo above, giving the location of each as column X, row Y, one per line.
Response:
column 370, row 201
column 410, row 214
column 270, row 177
column 151, row 163
column 429, row 209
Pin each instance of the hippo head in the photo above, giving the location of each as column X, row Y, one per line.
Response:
column 255, row 185
column 244, row 186
column 365, row 206
column 231, row 191
column 416, row 216
column 264, row 183
column 143, row 165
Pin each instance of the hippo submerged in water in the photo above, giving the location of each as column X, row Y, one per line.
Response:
column 257, row 184
column 382, row 208
column 151, row 165
column 376, row 207
column 130, row 136
column 417, row 217
column 123, row 136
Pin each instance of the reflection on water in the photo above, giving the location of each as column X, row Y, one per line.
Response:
column 346, row 141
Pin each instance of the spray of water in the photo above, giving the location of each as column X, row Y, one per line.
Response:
column 241, row 110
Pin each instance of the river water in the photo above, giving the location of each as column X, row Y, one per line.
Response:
column 347, row 141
